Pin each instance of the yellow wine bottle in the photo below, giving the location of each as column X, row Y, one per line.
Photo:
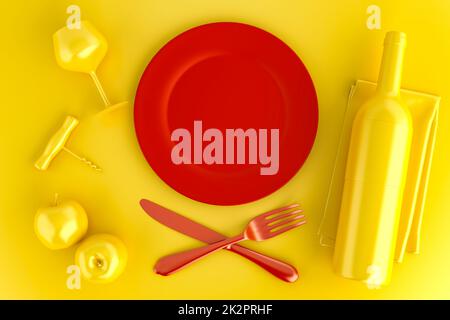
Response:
column 375, row 176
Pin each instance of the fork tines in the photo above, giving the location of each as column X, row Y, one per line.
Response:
column 283, row 219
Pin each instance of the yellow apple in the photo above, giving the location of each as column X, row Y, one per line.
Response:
column 62, row 225
column 101, row 258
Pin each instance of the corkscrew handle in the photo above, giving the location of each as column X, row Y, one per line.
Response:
column 56, row 143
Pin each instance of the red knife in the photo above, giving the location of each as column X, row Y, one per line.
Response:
column 195, row 230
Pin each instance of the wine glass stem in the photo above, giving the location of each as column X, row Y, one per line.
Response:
column 100, row 88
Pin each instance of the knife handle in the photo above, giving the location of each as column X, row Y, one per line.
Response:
column 279, row 269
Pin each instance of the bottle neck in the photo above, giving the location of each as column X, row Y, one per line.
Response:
column 389, row 79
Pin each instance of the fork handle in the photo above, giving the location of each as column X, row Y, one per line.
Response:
column 172, row 263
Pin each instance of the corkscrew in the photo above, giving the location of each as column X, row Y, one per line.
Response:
column 57, row 143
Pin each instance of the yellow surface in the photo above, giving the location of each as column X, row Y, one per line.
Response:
column 334, row 43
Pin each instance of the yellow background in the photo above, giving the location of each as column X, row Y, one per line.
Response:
column 332, row 40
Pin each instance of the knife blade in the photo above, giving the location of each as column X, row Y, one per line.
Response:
column 200, row 232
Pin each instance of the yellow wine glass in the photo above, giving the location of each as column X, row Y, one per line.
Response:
column 81, row 50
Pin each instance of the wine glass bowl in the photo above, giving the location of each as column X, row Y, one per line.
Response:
column 79, row 50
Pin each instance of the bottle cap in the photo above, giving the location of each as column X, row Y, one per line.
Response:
column 395, row 37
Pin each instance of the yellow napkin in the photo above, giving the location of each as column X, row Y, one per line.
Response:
column 424, row 109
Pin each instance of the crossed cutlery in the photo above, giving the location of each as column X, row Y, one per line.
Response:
column 262, row 227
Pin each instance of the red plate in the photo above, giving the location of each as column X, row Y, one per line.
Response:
column 229, row 76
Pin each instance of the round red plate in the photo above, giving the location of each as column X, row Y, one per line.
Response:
column 229, row 76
